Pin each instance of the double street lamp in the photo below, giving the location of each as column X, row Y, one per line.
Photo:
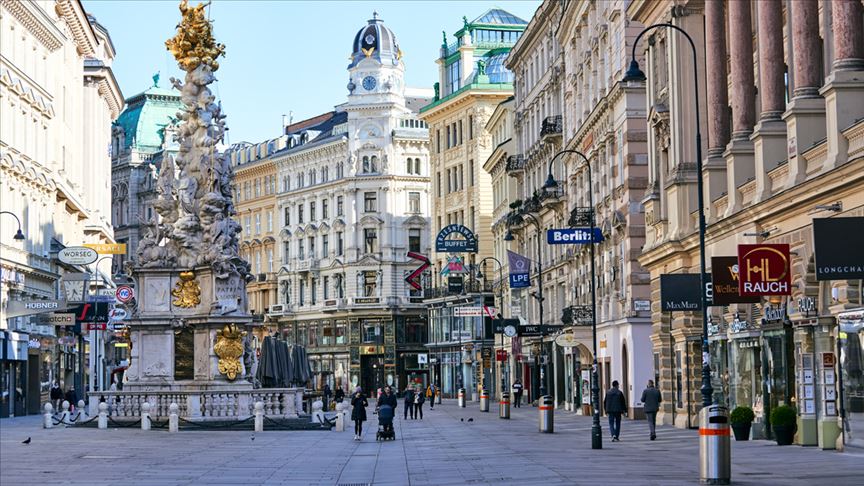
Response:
column 500, row 308
column 596, row 432
column 636, row 74
column 539, row 297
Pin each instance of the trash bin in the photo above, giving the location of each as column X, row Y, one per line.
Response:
column 461, row 397
column 547, row 414
column 504, row 406
column 715, row 461
column 484, row 400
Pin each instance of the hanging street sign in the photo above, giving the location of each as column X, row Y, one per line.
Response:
column 520, row 268
column 455, row 284
column 680, row 292
column 764, row 269
column 466, row 245
column 17, row 308
column 838, row 244
column 473, row 311
column 724, row 280
column 573, row 236
column 538, row 330
column 77, row 255
column 55, row 319
column 108, row 249
column 124, row 294
column 117, row 314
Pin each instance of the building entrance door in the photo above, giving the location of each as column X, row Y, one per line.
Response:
column 372, row 374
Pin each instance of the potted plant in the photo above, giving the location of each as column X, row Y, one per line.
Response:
column 784, row 422
column 741, row 420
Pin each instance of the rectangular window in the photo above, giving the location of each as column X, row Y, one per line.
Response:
column 302, row 299
column 340, row 332
column 287, row 216
column 311, row 247
column 449, row 138
column 301, row 249
column 287, row 251
column 325, row 246
column 340, row 206
column 414, row 240
column 300, row 214
column 471, row 173
column 258, row 223
column 326, row 287
column 248, row 225
column 257, row 262
column 370, row 238
column 438, row 141
column 312, row 211
column 470, row 127
column 471, row 216
column 313, row 294
column 414, row 202
column 370, row 284
column 460, row 132
column 339, row 244
column 270, row 260
column 324, row 209
column 269, row 221
column 438, row 184
column 370, row 202
column 372, row 332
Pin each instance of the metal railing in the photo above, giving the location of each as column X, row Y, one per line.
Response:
column 515, row 163
column 552, row 125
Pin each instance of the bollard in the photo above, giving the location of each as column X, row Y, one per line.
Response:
column 173, row 419
column 317, row 412
column 547, row 414
column 484, row 400
column 340, row 417
column 259, row 416
column 64, row 417
column 461, row 397
column 145, row 416
column 82, row 409
column 48, row 416
column 103, row 416
column 504, row 406
column 715, row 460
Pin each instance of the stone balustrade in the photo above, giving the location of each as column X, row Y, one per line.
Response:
column 202, row 405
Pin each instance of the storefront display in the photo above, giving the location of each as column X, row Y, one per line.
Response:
column 850, row 345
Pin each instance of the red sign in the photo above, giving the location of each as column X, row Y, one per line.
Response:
column 412, row 278
column 764, row 270
column 97, row 326
column 500, row 355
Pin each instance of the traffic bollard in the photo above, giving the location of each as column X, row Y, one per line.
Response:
column 48, row 416
column 715, row 459
column 259, row 416
column 102, row 422
column 145, row 416
column 504, row 406
column 461, row 397
column 484, row 400
column 547, row 414
column 173, row 418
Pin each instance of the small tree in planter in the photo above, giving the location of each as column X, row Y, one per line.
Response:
column 784, row 422
column 741, row 420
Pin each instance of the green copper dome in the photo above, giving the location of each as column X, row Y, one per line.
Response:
column 145, row 116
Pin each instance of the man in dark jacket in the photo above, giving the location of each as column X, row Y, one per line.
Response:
column 615, row 405
column 388, row 398
column 409, row 402
column 650, row 404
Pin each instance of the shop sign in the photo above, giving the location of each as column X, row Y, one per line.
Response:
column 680, row 292
column 366, row 300
column 467, row 311
column 108, row 249
column 805, row 306
column 466, row 245
column 56, row 319
column 724, row 278
column 774, row 313
column 500, row 355
column 77, row 255
column 422, row 358
column 738, row 325
column 838, row 248
column 828, row 360
column 642, row 305
column 764, row 270
column 34, row 343
column 567, row 340
column 748, row 343
column 16, row 308
column 455, row 284
column 124, row 293
column 66, row 340
column 713, row 329
column 573, row 236
column 537, row 330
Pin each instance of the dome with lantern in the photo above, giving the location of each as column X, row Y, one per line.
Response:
column 375, row 41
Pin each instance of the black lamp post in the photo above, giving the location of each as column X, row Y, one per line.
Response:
column 596, row 431
column 538, row 296
column 636, row 74
column 501, row 307
column 18, row 234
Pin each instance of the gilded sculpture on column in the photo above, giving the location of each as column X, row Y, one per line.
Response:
column 187, row 293
column 229, row 349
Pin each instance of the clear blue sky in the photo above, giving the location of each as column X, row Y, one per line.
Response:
column 282, row 56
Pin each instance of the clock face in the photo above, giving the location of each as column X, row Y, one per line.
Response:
column 510, row 331
column 74, row 292
column 369, row 83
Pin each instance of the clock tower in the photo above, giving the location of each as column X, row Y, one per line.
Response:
column 376, row 98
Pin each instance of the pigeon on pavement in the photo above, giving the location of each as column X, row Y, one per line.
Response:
column 471, row 419
column 26, row 441
column 461, row 419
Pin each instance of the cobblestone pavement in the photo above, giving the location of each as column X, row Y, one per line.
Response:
column 439, row 450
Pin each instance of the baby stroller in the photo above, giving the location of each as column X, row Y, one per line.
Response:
column 385, row 423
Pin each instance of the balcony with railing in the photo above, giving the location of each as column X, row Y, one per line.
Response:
column 552, row 126
column 515, row 164
column 552, row 195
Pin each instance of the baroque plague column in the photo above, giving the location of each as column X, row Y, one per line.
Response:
column 188, row 326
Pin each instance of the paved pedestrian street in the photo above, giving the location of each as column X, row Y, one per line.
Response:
column 442, row 449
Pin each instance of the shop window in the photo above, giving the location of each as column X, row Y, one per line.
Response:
column 372, row 333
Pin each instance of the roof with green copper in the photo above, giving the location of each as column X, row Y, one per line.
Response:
column 146, row 115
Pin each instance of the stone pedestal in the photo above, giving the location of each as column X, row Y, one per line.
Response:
column 769, row 145
column 805, row 125
column 844, row 103
column 739, row 169
column 169, row 307
column 714, row 181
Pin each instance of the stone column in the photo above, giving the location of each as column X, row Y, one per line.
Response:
column 844, row 87
column 805, row 113
column 714, row 166
column 769, row 136
column 739, row 152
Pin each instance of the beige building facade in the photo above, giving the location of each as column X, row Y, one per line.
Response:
column 779, row 155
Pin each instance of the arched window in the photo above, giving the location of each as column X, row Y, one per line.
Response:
column 366, row 163
column 410, row 166
column 417, row 166
column 374, row 164
column 339, row 170
column 325, row 174
column 312, row 181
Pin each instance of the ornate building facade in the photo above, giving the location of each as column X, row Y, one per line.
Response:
column 58, row 97
column 353, row 201
column 472, row 83
column 784, row 146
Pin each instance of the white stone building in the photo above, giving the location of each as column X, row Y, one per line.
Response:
column 353, row 201
column 58, row 97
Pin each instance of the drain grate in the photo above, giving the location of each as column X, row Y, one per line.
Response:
column 354, row 484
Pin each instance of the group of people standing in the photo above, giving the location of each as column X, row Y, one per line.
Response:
column 413, row 400
column 58, row 396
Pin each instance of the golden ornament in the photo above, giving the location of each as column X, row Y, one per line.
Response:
column 186, row 291
column 229, row 349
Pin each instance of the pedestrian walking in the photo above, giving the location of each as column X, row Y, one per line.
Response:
column 409, row 402
column 339, row 396
column 419, row 399
column 359, row 402
column 615, row 406
column 56, row 395
column 430, row 394
column 517, row 393
column 327, row 394
column 651, row 399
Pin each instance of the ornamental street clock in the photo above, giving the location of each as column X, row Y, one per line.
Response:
column 369, row 83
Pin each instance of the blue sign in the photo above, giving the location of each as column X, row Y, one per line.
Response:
column 520, row 280
column 468, row 245
column 573, row 236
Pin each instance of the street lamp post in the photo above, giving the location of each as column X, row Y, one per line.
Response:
column 596, row 431
column 18, row 234
column 500, row 308
column 636, row 74
column 539, row 297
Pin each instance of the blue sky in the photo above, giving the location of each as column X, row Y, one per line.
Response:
column 282, row 55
